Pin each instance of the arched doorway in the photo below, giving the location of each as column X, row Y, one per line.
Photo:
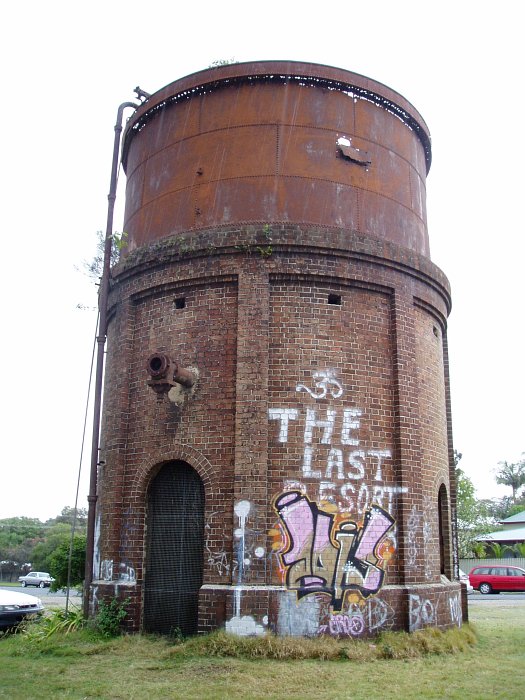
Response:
column 444, row 532
column 174, row 550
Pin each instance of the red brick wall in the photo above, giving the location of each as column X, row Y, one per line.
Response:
column 257, row 323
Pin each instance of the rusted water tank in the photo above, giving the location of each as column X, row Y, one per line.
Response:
column 276, row 143
column 300, row 478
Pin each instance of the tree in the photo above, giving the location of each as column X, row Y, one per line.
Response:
column 59, row 562
column 43, row 551
column 28, row 543
column 497, row 550
column 68, row 516
column 473, row 519
column 18, row 536
column 512, row 475
column 93, row 268
column 519, row 549
column 479, row 550
column 518, row 507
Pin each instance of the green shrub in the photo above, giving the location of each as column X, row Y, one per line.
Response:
column 59, row 563
column 56, row 622
column 110, row 616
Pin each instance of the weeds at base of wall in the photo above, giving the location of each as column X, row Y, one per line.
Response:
column 110, row 616
column 58, row 623
column 390, row 645
column 55, row 622
column 86, row 641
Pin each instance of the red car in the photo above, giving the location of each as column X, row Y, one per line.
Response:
column 493, row 579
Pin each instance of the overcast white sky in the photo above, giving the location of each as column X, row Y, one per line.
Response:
column 66, row 68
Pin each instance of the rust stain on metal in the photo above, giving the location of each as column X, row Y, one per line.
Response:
column 251, row 143
column 165, row 373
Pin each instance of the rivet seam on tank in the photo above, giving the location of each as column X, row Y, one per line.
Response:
column 353, row 154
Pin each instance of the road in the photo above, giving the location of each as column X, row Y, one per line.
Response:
column 48, row 598
column 496, row 599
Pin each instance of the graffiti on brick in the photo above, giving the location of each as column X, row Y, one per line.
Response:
column 326, row 553
column 350, row 473
column 123, row 572
column 106, row 569
column 324, row 383
column 413, row 525
column 243, row 625
column 456, row 614
column 217, row 560
column 344, row 625
column 126, row 572
column 421, row 612
column 379, row 614
column 421, row 535
column 430, row 534
column 367, row 615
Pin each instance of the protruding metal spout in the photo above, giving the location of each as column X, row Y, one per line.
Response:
column 165, row 373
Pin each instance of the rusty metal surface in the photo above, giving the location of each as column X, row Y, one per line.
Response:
column 164, row 373
column 260, row 142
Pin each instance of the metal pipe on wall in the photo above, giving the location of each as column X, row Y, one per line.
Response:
column 101, row 342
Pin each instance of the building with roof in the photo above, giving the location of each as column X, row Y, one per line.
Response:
column 513, row 532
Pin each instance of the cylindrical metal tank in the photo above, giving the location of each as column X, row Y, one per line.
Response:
column 272, row 142
column 276, row 432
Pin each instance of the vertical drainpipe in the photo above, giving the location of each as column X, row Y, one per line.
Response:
column 101, row 342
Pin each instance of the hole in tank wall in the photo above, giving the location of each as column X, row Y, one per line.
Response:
column 335, row 299
column 180, row 303
column 354, row 92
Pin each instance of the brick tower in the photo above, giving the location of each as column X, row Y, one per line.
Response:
column 277, row 449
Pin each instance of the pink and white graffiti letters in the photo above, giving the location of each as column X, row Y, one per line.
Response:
column 325, row 553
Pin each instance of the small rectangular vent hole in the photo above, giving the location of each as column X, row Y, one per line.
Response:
column 180, row 303
column 334, row 299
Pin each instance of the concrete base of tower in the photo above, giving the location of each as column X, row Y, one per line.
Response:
column 253, row 610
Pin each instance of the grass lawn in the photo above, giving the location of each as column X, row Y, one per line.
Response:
column 83, row 666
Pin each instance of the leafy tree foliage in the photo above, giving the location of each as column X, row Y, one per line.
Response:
column 42, row 552
column 18, row 536
column 498, row 550
column 518, row 507
column 477, row 517
column 502, row 508
column 27, row 543
column 59, row 562
column 68, row 516
column 93, row 268
column 519, row 548
column 512, row 475
column 473, row 518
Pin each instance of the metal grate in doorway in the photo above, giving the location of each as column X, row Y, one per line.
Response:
column 174, row 550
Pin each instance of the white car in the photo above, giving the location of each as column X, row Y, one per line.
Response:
column 463, row 577
column 15, row 607
column 40, row 579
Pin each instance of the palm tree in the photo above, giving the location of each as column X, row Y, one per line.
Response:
column 519, row 548
column 497, row 550
column 479, row 551
column 512, row 475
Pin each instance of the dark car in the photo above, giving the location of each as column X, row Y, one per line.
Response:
column 40, row 579
column 15, row 607
column 493, row 579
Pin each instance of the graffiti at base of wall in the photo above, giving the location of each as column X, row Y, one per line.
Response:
column 324, row 552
